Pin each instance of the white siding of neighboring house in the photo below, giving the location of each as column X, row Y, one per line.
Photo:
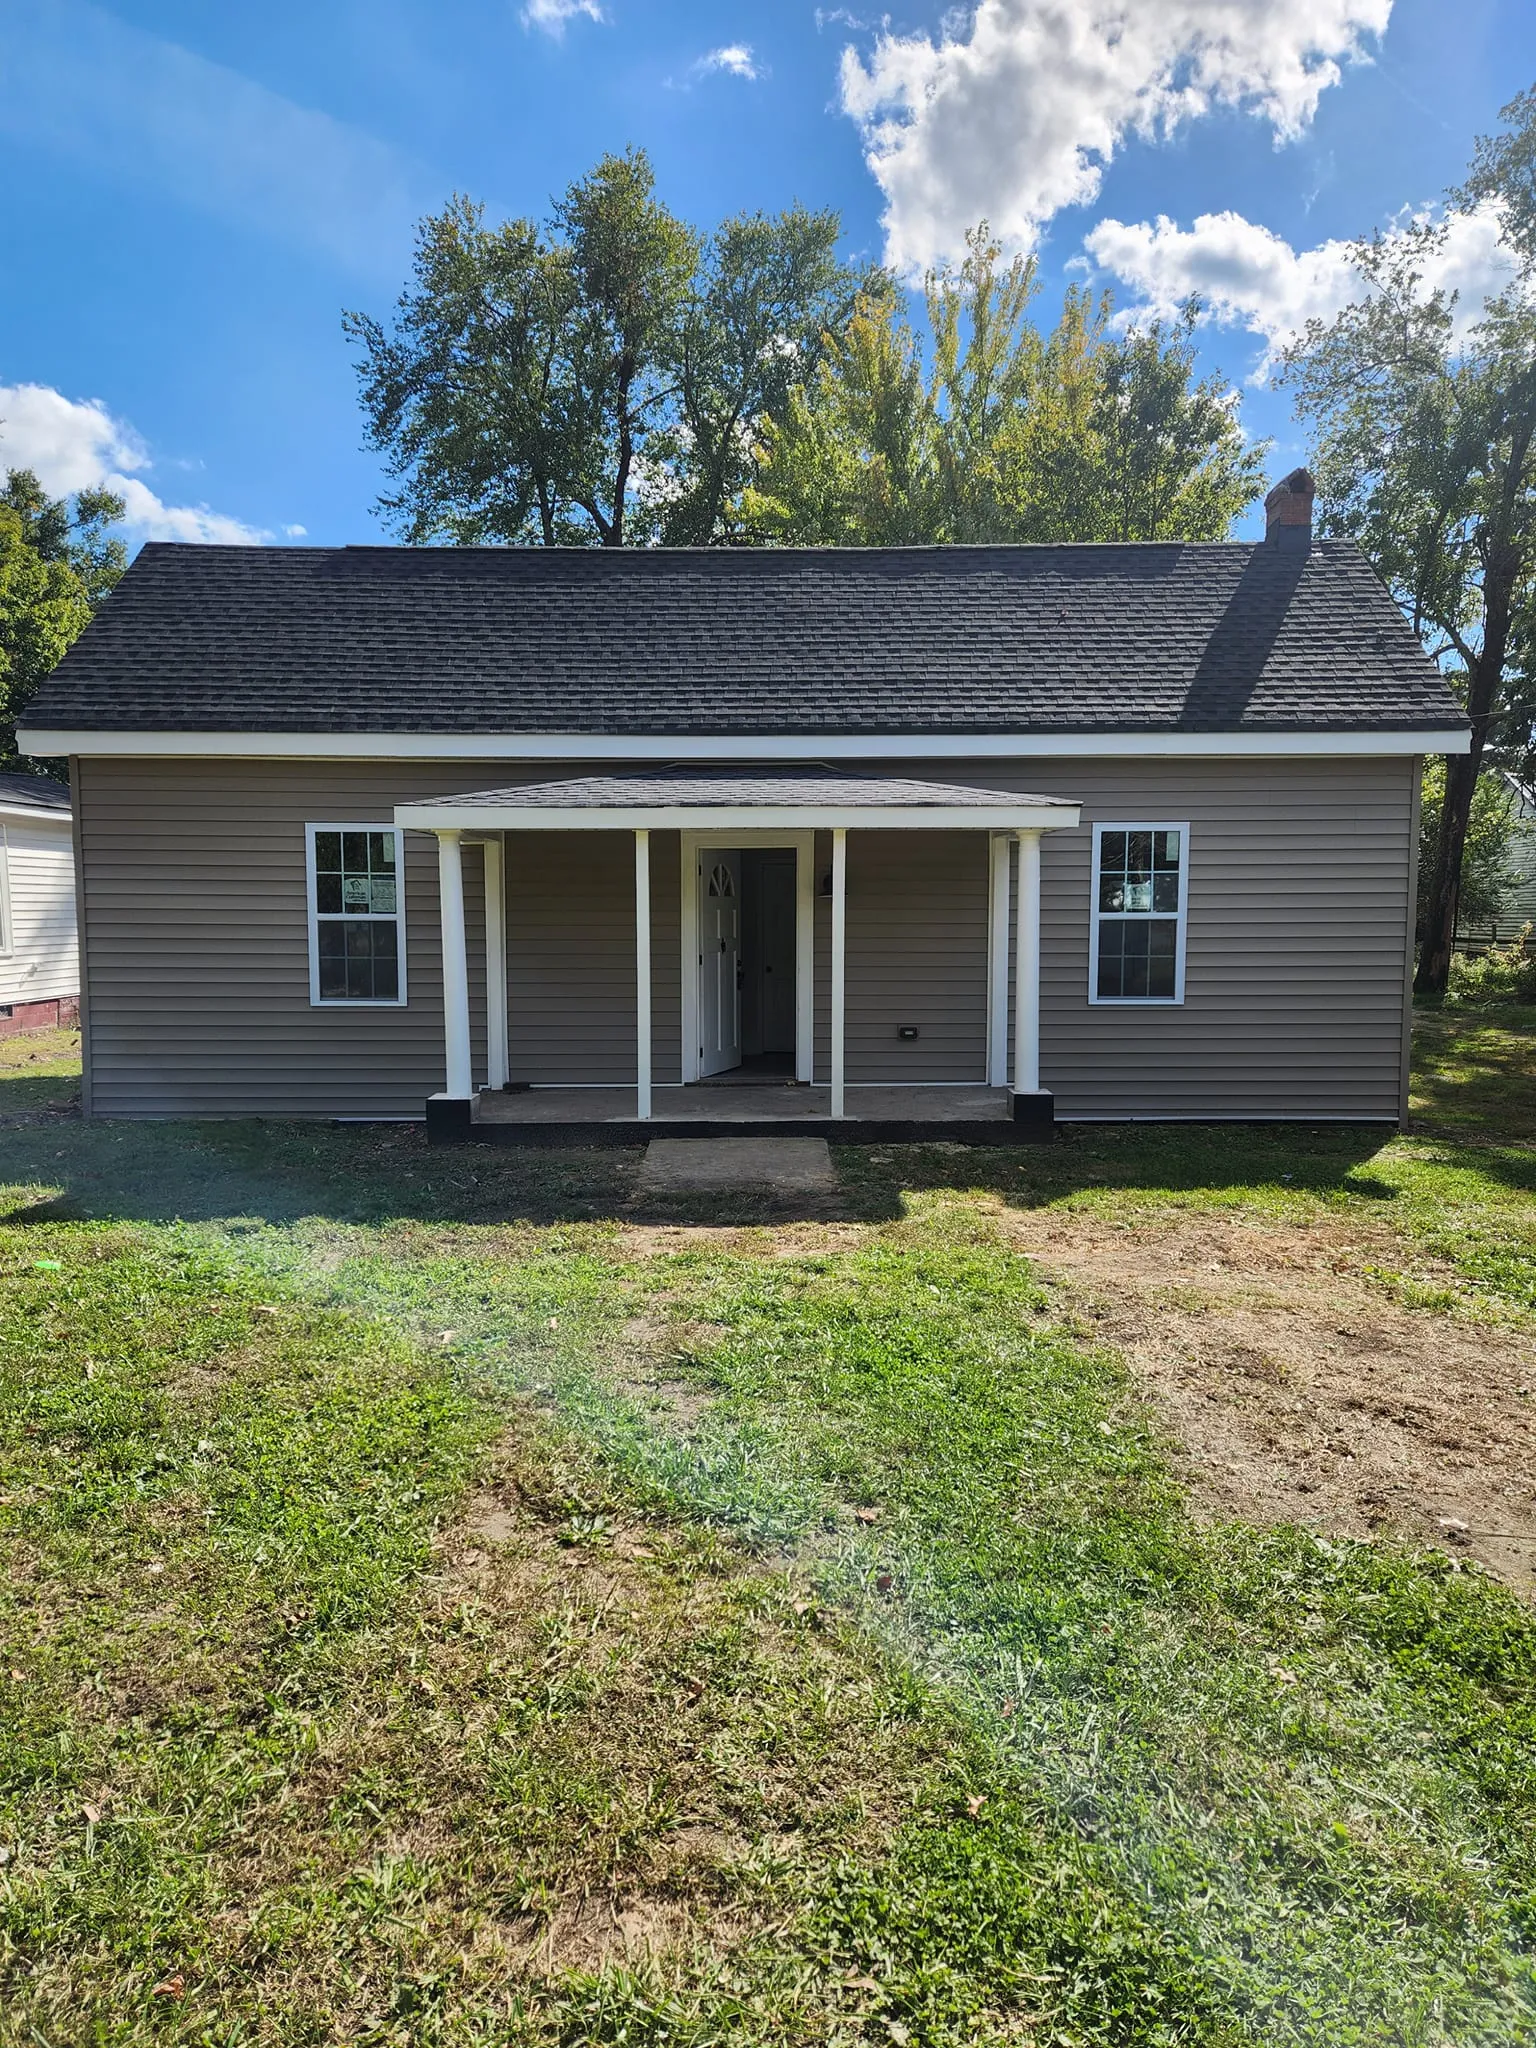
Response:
column 1517, row 900
column 39, row 960
column 1519, row 905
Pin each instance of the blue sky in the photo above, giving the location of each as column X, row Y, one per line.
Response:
column 197, row 192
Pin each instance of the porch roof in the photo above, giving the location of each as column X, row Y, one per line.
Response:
column 746, row 799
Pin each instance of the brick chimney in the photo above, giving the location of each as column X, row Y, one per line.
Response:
column 1288, row 512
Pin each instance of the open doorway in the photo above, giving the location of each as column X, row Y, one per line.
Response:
column 747, row 958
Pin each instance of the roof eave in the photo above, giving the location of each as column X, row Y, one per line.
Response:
column 474, row 817
column 850, row 745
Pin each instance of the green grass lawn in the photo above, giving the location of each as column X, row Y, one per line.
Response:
column 446, row 1600
column 39, row 1070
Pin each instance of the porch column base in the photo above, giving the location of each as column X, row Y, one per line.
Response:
column 1038, row 1106
column 450, row 1119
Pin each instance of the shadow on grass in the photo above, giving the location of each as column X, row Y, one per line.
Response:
column 277, row 1173
column 30, row 1094
column 1475, row 1073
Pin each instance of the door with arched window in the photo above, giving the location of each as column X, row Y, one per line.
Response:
column 719, row 961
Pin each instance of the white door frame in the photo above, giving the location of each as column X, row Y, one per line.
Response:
column 804, row 846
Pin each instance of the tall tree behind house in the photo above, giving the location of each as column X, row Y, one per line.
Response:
column 1426, row 456
column 616, row 377
column 59, row 559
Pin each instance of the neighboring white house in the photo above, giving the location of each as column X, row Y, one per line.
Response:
column 1517, row 899
column 39, row 958
column 1519, row 905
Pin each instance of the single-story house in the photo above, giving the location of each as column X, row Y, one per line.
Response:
column 39, row 960
column 890, row 840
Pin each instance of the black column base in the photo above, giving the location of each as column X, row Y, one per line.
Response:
column 450, row 1119
column 1038, row 1108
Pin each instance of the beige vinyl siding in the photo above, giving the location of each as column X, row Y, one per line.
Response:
column 571, row 957
column 1296, row 950
column 917, row 954
column 197, row 945
column 197, row 942
column 39, row 961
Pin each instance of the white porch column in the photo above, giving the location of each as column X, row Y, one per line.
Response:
column 839, row 961
column 1026, row 970
column 997, row 963
column 498, row 1065
column 642, row 973
column 450, row 896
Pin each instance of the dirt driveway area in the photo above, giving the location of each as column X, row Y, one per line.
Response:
column 1297, row 1390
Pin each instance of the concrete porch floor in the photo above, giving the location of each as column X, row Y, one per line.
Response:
column 875, row 1115
column 719, row 1102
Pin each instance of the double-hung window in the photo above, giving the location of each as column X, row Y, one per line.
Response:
column 356, row 914
column 1140, row 896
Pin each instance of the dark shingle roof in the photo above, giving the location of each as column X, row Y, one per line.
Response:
column 672, row 788
column 942, row 640
column 35, row 792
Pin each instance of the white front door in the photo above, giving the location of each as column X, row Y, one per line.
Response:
column 719, row 961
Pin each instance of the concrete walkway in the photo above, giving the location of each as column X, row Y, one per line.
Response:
column 791, row 1166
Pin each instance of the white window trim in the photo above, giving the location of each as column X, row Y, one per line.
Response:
column 1138, row 1002
column 7, row 929
column 316, row 1001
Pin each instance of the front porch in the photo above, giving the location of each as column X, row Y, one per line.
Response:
column 720, row 821
column 873, row 1114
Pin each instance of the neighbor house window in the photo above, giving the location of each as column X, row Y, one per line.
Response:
column 356, row 914
column 1140, row 884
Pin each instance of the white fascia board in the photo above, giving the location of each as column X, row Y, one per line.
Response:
column 35, row 814
column 804, row 746
column 718, row 818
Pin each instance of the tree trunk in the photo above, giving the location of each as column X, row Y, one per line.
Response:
column 614, row 537
column 1461, row 771
column 1501, row 573
column 1434, row 969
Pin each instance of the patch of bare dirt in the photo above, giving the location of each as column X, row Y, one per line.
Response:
column 748, row 1241
column 1299, row 1393
column 581, row 1750
column 640, row 1367
column 589, row 1934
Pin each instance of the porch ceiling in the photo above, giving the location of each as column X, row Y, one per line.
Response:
column 747, row 799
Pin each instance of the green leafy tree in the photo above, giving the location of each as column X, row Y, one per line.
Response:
column 769, row 293
column 853, row 462
column 599, row 380
column 1426, row 456
column 76, row 530
column 999, row 432
column 58, row 560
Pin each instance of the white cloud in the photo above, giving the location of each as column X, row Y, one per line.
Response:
column 1249, row 277
column 78, row 82
column 76, row 445
column 552, row 15
column 736, row 58
column 1014, row 110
